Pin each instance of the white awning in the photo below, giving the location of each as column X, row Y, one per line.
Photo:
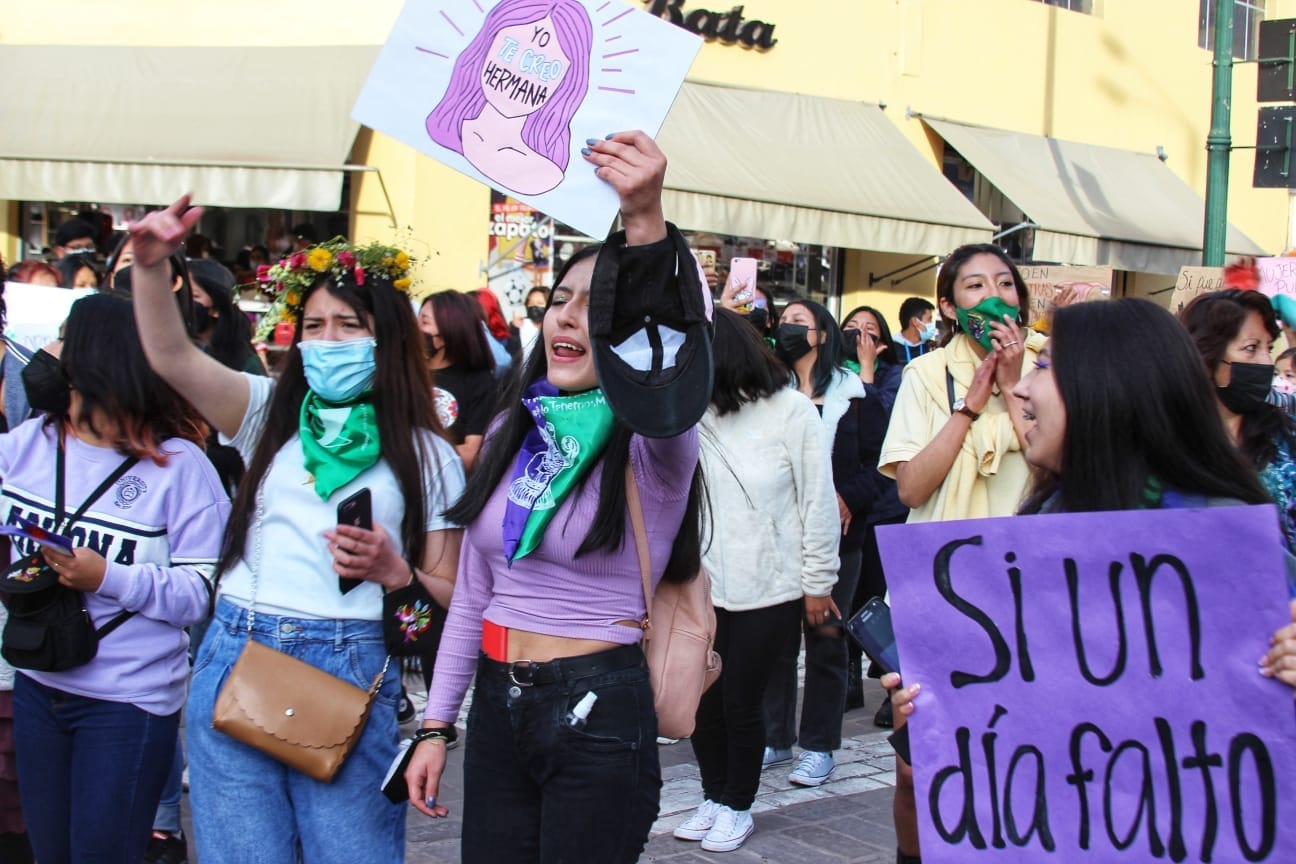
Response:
column 1092, row 205
column 239, row 127
column 790, row 167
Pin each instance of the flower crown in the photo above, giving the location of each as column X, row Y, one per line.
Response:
column 288, row 280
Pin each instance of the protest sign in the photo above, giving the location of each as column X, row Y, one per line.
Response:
column 1045, row 283
column 520, row 252
column 1089, row 686
column 1277, row 276
column 1194, row 282
column 508, row 91
column 34, row 313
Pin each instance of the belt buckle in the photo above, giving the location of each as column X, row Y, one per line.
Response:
column 525, row 666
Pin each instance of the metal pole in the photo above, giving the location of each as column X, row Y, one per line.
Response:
column 1218, row 142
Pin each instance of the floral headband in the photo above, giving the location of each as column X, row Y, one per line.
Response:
column 288, row 280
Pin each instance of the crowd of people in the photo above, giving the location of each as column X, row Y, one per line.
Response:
column 495, row 472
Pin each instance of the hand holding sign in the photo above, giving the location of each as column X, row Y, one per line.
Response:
column 633, row 165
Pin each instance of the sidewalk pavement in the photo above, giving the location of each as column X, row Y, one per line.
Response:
column 845, row 821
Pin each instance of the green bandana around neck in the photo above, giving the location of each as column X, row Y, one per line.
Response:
column 570, row 435
column 975, row 322
column 339, row 441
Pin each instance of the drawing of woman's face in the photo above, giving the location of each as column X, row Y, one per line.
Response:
column 524, row 68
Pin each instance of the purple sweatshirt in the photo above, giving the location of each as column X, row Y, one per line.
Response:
column 160, row 530
column 551, row 591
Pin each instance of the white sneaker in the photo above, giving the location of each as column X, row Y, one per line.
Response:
column 696, row 826
column 731, row 828
column 812, row 769
column 775, row 756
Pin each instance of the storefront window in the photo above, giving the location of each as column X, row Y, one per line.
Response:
column 1247, row 15
column 788, row 270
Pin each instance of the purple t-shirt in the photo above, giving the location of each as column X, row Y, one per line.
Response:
column 551, row 591
column 160, row 530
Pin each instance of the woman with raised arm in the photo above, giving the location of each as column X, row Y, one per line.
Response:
column 561, row 762
column 351, row 411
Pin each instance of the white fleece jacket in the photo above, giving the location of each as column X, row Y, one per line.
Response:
column 773, row 513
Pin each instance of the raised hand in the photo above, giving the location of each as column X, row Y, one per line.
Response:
column 161, row 232
column 633, row 165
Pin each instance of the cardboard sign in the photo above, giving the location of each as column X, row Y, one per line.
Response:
column 520, row 253
column 34, row 313
column 1089, row 686
column 508, row 91
column 1194, row 282
column 1045, row 283
column 1277, row 276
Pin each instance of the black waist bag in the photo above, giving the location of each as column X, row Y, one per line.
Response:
column 50, row 630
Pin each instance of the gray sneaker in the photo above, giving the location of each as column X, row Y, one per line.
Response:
column 812, row 769
column 775, row 756
column 703, row 819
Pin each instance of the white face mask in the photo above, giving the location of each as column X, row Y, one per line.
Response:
column 927, row 332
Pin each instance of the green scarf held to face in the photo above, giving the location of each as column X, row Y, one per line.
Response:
column 339, row 441
column 975, row 322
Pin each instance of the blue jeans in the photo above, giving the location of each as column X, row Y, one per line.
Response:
column 538, row 790
column 247, row 806
column 90, row 773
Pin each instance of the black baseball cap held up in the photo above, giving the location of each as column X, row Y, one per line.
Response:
column 650, row 325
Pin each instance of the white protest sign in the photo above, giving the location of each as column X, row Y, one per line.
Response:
column 34, row 313
column 508, row 91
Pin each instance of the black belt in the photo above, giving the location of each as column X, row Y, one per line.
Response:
column 524, row 673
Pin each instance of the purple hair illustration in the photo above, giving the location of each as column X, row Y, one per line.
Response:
column 546, row 129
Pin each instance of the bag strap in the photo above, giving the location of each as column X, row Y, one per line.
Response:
column 949, row 387
column 635, row 506
column 60, row 471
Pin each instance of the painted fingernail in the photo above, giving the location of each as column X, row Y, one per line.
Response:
column 585, row 151
column 431, row 801
column 591, row 141
column 608, row 137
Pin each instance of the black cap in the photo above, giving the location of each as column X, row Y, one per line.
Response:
column 650, row 325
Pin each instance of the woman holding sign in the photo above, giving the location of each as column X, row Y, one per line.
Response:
column 561, row 762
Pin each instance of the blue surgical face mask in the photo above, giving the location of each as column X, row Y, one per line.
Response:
column 339, row 371
column 927, row 332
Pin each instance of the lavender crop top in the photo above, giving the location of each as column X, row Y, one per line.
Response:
column 551, row 591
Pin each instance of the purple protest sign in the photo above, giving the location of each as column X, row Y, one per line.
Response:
column 1089, row 686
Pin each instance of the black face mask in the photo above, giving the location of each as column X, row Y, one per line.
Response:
column 535, row 314
column 759, row 319
column 850, row 343
column 46, row 384
column 1249, row 384
column 202, row 316
column 793, row 342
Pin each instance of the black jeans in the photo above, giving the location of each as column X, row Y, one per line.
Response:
column 730, row 734
column 538, row 790
column 825, row 678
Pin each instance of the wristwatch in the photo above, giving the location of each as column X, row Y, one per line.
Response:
column 960, row 407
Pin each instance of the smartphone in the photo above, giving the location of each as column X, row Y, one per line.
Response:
column 356, row 510
column 742, row 272
column 871, row 628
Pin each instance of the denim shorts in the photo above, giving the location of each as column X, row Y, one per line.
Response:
column 246, row 805
column 540, row 789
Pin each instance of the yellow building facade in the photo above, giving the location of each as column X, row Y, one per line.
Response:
column 1126, row 74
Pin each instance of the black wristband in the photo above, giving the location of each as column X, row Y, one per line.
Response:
column 448, row 734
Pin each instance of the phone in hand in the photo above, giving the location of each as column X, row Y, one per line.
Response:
column 742, row 273
column 871, row 628
column 356, row 510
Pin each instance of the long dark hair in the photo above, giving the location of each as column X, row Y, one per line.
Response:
column 884, row 332
column 1138, row 406
column 458, row 319
column 829, row 358
column 402, row 398
column 745, row 368
column 230, row 340
column 104, row 362
column 949, row 272
column 1213, row 321
column 608, row 526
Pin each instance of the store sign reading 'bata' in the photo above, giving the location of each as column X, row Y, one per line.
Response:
column 728, row 26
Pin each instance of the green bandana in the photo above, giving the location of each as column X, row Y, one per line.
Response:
column 976, row 321
column 338, row 441
column 570, row 435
